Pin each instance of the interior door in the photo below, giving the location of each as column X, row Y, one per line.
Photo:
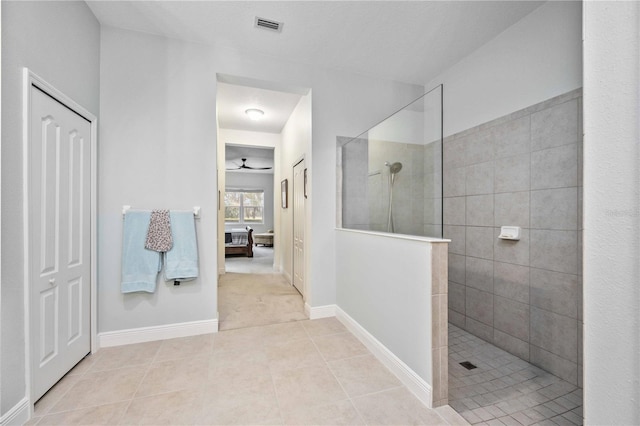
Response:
column 60, row 239
column 298, row 227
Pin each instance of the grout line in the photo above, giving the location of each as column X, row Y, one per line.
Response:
column 275, row 391
column 155, row 356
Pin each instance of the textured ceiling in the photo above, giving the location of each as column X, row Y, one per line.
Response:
column 408, row 41
column 234, row 100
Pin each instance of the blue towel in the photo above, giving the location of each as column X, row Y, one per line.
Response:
column 181, row 262
column 140, row 266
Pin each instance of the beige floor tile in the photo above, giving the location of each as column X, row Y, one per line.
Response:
column 109, row 414
column 174, row 375
column 235, row 340
column 233, row 370
column 307, row 387
column 184, row 347
column 395, row 407
column 271, row 375
column 104, row 387
column 292, row 354
column 174, row 408
column 33, row 421
column 54, row 395
column 141, row 354
column 362, row 375
column 336, row 413
column 283, row 332
column 256, row 404
column 84, row 365
column 451, row 416
column 323, row 326
column 338, row 346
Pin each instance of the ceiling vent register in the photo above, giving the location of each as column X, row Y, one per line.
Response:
column 268, row 24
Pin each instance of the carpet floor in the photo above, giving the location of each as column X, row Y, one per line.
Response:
column 249, row 300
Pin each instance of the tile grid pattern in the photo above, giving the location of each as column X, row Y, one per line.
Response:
column 505, row 390
column 439, row 335
column 523, row 169
column 365, row 192
column 306, row 372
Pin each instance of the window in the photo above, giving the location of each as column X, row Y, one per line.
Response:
column 244, row 206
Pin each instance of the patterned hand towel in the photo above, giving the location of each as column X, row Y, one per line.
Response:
column 159, row 233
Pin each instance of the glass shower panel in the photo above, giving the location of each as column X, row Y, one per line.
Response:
column 392, row 174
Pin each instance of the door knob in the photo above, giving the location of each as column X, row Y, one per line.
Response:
column 52, row 281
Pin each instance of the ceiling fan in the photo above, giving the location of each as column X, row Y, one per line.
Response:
column 244, row 166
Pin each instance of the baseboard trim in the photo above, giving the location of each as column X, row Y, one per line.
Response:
column 318, row 312
column 287, row 276
column 160, row 332
column 421, row 389
column 17, row 415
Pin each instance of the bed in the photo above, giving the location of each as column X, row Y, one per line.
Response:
column 239, row 242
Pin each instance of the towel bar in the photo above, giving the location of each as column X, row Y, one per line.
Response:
column 196, row 211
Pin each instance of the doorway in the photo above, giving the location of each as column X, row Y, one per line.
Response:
column 255, row 156
column 249, row 203
column 60, row 156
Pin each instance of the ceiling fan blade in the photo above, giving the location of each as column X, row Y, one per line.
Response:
column 237, row 168
column 258, row 168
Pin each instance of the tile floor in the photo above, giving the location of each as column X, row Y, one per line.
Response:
column 505, row 389
column 305, row 372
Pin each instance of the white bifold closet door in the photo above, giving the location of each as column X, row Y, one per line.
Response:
column 60, row 239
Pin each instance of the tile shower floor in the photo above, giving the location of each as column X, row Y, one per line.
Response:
column 504, row 389
column 306, row 372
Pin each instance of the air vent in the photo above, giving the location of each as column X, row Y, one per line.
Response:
column 268, row 24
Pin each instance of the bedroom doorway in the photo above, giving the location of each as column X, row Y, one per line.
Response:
column 249, row 211
column 252, row 291
column 255, row 246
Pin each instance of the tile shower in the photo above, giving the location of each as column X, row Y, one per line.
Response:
column 525, row 170
column 410, row 140
column 523, row 297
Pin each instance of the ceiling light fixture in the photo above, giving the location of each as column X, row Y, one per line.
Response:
column 254, row 113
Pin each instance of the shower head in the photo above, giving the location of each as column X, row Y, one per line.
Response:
column 393, row 168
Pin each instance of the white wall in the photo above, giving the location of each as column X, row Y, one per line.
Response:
column 384, row 283
column 535, row 59
column 158, row 104
column 296, row 144
column 611, row 211
column 157, row 150
column 264, row 181
column 59, row 41
column 249, row 138
column 405, row 126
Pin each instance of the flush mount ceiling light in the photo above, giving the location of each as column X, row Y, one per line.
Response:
column 254, row 113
